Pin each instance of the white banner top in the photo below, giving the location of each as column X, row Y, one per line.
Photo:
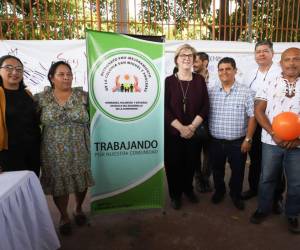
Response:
column 37, row 56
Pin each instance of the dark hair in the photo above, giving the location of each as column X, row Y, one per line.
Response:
column 264, row 42
column 228, row 60
column 203, row 56
column 2, row 59
column 53, row 68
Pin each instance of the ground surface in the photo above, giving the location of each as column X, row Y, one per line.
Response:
column 201, row 226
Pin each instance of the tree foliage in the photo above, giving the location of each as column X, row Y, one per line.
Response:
column 34, row 19
column 177, row 19
column 276, row 20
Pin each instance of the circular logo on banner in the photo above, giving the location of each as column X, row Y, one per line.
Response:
column 125, row 84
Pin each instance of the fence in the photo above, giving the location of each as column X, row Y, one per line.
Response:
column 232, row 20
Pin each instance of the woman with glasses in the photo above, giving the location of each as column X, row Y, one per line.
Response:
column 65, row 151
column 19, row 123
column 186, row 107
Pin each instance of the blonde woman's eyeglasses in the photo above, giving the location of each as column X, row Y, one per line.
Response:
column 189, row 56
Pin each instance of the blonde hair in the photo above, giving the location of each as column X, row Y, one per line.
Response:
column 182, row 47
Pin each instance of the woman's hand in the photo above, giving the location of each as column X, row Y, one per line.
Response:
column 186, row 132
column 192, row 128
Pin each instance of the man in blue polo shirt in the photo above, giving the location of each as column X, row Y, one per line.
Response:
column 232, row 124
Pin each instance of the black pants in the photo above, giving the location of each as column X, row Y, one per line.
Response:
column 181, row 158
column 21, row 158
column 203, row 170
column 255, row 166
column 221, row 151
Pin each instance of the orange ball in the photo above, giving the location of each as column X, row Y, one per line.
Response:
column 299, row 124
column 286, row 126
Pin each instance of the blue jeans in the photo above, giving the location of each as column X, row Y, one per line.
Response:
column 274, row 160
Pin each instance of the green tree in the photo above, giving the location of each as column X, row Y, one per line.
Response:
column 49, row 19
column 185, row 17
column 177, row 19
column 275, row 20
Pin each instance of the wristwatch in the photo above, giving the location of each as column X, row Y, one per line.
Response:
column 248, row 139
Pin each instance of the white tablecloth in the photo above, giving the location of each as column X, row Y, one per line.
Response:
column 25, row 222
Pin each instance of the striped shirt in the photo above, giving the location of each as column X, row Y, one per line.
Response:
column 229, row 112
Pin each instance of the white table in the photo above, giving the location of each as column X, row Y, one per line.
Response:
column 25, row 221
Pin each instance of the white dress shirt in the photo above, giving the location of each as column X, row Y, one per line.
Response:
column 276, row 94
column 254, row 78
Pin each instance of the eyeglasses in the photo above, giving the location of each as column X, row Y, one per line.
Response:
column 189, row 56
column 10, row 68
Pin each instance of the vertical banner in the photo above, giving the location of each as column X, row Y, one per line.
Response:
column 126, row 91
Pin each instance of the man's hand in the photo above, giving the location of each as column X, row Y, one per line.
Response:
column 286, row 144
column 291, row 144
column 277, row 140
column 245, row 147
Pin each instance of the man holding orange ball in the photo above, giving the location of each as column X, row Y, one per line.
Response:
column 282, row 94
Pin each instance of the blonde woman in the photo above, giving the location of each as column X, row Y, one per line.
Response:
column 186, row 107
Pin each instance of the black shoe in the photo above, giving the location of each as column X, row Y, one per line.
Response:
column 217, row 197
column 199, row 184
column 248, row 194
column 192, row 197
column 176, row 204
column 65, row 228
column 200, row 187
column 294, row 226
column 238, row 203
column 277, row 207
column 258, row 217
column 208, row 187
column 205, row 187
column 80, row 219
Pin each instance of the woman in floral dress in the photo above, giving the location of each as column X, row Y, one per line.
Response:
column 65, row 143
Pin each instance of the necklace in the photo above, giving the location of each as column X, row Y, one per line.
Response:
column 184, row 93
column 257, row 74
column 290, row 89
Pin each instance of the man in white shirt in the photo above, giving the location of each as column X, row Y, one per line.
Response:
column 281, row 94
column 265, row 71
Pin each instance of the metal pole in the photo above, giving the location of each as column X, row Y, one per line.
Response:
column 122, row 16
column 250, row 21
